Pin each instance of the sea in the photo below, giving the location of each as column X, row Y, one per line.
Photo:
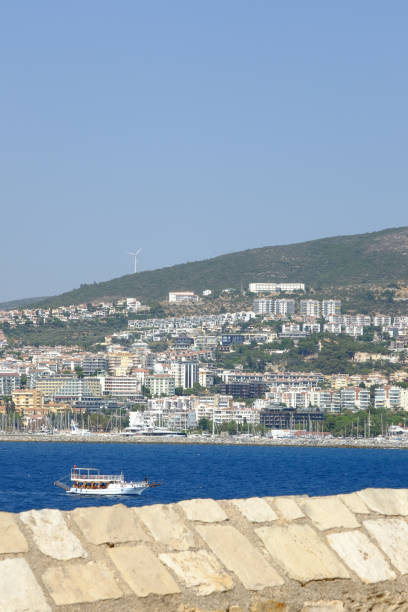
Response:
column 29, row 469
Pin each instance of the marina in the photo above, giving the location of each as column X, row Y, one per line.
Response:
column 390, row 442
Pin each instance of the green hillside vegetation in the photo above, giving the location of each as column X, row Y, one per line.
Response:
column 373, row 259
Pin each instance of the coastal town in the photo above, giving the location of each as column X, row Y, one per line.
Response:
column 288, row 366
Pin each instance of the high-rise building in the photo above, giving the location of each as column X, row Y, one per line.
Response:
column 185, row 373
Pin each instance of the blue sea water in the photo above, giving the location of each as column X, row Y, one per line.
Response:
column 28, row 471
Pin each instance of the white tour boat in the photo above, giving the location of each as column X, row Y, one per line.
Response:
column 89, row 481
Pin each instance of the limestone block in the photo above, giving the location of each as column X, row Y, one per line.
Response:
column 204, row 510
column 11, row 540
column 392, row 536
column 361, row 555
column 255, row 509
column 287, row 508
column 166, row 526
column 199, row 569
column 52, row 535
column 19, row 590
column 143, row 571
column 79, row 583
column 334, row 605
column 237, row 553
column 386, row 501
column 354, row 502
column 109, row 524
column 329, row 513
column 299, row 549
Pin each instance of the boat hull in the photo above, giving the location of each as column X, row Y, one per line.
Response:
column 109, row 491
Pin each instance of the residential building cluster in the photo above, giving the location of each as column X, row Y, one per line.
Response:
column 172, row 366
column 77, row 312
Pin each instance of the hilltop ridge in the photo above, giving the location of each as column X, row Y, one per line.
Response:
column 374, row 258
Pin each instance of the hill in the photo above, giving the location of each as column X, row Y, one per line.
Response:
column 377, row 258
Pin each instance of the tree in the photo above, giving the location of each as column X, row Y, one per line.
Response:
column 146, row 391
column 204, row 424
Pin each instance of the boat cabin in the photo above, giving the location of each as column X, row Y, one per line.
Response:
column 91, row 478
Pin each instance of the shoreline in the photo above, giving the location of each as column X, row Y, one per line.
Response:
column 217, row 441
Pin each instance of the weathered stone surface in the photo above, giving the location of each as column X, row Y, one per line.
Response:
column 204, row 510
column 361, row 555
column 269, row 605
column 198, row 569
column 386, row 501
column 354, row 502
column 392, row 536
column 11, row 538
column 19, row 590
column 166, row 526
column 377, row 601
column 255, row 509
column 334, row 605
column 237, row 553
column 52, row 535
column 79, row 583
column 143, row 571
column 109, row 524
column 329, row 513
column 301, row 552
column 287, row 508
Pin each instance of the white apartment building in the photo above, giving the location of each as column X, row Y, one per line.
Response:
column 333, row 328
column 182, row 296
column 271, row 306
column 9, row 382
column 185, row 373
column 263, row 306
column 331, row 307
column 288, row 328
column 69, row 387
column 311, row 328
column 222, row 413
column 392, row 398
column 353, row 330
column 271, row 287
column 380, row 320
column 120, row 386
column 160, row 384
column 358, row 319
column 285, row 307
column 310, row 308
column 205, row 377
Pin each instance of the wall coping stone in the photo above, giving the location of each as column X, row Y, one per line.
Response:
column 291, row 553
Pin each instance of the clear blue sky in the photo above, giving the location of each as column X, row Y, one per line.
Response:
column 192, row 129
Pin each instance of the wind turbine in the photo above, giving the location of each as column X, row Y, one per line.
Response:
column 135, row 256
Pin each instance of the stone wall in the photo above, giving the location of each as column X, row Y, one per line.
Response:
column 344, row 552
